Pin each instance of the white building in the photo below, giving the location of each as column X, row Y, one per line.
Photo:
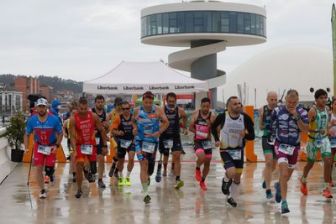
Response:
column 10, row 102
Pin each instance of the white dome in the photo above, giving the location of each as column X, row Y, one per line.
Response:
column 281, row 69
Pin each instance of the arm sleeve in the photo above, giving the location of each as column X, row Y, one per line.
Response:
column 219, row 121
column 250, row 127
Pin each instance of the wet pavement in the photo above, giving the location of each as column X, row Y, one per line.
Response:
column 20, row 204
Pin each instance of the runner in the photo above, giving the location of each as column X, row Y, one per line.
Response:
column 48, row 135
column 113, row 144
column 200, row 125
column 318, row 116
column 287, row 122
column 234, row 127
column 66, row 130
column 83, row 124
column 49, row 171
column 268, row 141
column 101, row 152
column 170, row 139
column 149, row 122
column 332, row 135
column 122, row 128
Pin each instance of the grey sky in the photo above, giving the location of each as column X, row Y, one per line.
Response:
column 81, row 39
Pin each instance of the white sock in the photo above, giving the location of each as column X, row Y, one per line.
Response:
column 128, row 173
column 226, row 179
column 120, row 174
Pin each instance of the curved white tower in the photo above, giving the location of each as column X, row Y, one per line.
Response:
column 207, row 27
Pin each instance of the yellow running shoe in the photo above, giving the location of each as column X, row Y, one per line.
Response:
column 127, row 181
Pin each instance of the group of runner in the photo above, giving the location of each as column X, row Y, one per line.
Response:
column 150, row 128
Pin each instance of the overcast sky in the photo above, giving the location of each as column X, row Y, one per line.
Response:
column 82, row 39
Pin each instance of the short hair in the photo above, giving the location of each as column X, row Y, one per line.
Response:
column 125, row 103
column 83, row 100
column 320, row 92
column 148, row 95
column 117, row 101
column 229, row 100
column 99, row 97
column 292, row 92
column 205, row 100
column 171, row 94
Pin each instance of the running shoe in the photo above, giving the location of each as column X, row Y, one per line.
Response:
column 303, row 188
column 327, row 193
column 120, row 181
column 43, row 194
column 284, row 207
column 101, row 184
column 198, row 175
column 113, row 167
column 89, row 176
column 179, row 184
column 158, row 173
column 147, row 199
column 127, row 181
column 232, row 202
column 203, row 186
column 277, row 192
column 269, row 194
column 78, row 194
column 226, row 186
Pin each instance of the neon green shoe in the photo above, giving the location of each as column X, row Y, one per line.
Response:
column 179, row 184
column 120, row 181
column 127, row 181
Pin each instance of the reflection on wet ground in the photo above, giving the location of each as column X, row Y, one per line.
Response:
column 189, row 205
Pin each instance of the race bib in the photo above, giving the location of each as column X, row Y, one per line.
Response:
column 207, row 145
column 235, row 154
column 168, row 144
column 86, row 149
column 148, row 147
column 125, row 144
column 45, row 150
column 202, row 132
column 286, row 149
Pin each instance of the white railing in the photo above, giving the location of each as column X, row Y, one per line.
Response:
column 6, row 166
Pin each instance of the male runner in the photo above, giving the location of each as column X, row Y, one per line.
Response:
column 231, row 129
column 200, row 125
column 47, row 138
column 318, row 116
column 149, row 123
column 287, row 122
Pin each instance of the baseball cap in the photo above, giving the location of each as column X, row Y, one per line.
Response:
column 41, row 102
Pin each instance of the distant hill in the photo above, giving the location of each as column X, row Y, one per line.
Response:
column 55, row 82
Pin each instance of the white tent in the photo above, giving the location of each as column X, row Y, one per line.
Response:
column 138, row 77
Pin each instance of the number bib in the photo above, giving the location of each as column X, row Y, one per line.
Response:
column 45, row 150
column 236, row 154
column 86, row 149
column 286, row 149
column 125, row 144
column 148, row 147
column 207, row 145
column 168, row 144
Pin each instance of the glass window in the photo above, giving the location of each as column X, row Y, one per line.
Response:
column 253, row 24
column 198, row 22
column 159, row 23
column 153, row 27
column 225, row 23
column 240, row 23
column 165, row 22
column 247, row 23
column 216, row 22
column 233, row 22
column 180, row 22
column 172, row 22
column 189, row 18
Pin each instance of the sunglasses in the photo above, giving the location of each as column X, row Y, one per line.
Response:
column 126, row 108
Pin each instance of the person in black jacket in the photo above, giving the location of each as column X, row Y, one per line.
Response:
column 231, row 129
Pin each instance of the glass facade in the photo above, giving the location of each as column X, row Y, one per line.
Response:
column 203, row 22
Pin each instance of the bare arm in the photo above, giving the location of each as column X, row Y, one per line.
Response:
column 183, row 116
column 192, row 123
column 101, row 129
column 72, row 132
column 164, row 120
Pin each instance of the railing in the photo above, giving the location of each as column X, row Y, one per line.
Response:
column 6, row 166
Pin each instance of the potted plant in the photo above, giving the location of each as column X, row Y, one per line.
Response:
column 14, row 134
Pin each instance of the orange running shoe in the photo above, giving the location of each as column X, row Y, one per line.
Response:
column 304, row 189
column 198, row 175
column 203, row 186
column 327, row 193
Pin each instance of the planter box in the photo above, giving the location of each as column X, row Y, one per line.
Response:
column 17, row 155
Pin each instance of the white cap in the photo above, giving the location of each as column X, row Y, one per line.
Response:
column 41, row 101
